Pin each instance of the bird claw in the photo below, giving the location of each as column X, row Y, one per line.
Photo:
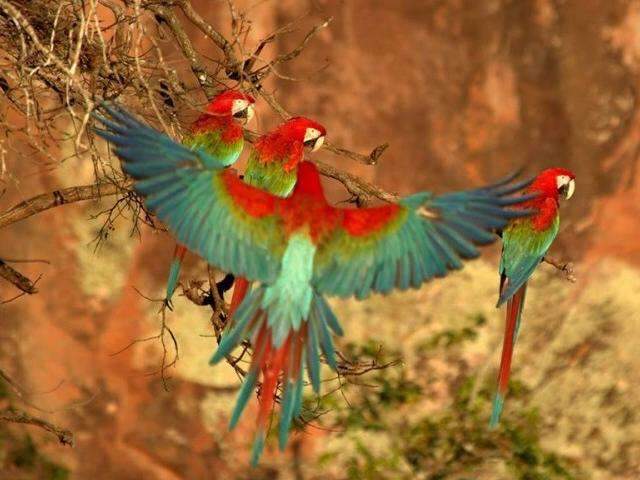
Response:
column 166, row 304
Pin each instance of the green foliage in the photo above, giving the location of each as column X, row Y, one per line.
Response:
column 20, row 457
column 451, row 337
column 387, row 440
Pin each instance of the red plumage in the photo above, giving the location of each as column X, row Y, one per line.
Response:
column 218, row 115
column 256, row 203
column 513, row 308
column 222, row 103
column 307, row 206
column 365, row 222
column 286, row 141
column 240, row 289
column 547, row 202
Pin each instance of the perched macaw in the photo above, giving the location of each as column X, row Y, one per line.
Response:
column 300, row 248
column 218, row 131
column 525, row 242
column 273, row 166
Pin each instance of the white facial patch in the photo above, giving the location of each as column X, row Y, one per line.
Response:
column 238, row 106
column 311, row 134
column 566, row 182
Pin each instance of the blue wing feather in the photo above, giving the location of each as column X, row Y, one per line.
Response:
column 414, row 247
column 183, row 187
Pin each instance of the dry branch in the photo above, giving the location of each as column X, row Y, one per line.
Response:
column 65, row 437
column 45, row 201
column 13, row 276
column 566, row 268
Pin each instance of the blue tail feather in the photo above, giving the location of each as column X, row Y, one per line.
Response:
column 498, row 403
column 172, row 282
column 258, row 447
column 243, row 397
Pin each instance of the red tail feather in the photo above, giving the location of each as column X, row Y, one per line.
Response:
column 272, row 363
column 179, row 252
column 513, row 310
column 240, row 288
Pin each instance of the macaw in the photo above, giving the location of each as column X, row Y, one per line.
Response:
column 525, row 242
column 273, row 166
column 299, row 249
column 218, row 130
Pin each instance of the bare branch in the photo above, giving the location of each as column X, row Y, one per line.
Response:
column 65, row 437
column 208, row 30
column 17, row 279
column 371, row 159
column 263, row 71
column 198, row 69
column 56, row 198
column 565, row 267
column 361, row 190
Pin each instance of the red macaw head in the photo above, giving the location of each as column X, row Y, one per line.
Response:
column 554, row 183
column 232, row 103
column 303, row 130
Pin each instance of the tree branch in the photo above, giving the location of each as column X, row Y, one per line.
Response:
column 208, row 30
column 198, row 69
column 362, row 191
column 45, row 201
column 13, row 276
column 565, row 267
column 65, row 437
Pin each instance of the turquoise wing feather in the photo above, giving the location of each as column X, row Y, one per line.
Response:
column 424, row 236
column 209, row 210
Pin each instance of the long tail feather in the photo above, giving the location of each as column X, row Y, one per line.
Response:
column 512, row 326
column 174, row 271
column 278, row 364
column 240, row 288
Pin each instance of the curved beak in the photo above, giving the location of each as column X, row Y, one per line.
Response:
column 571, row 188
column 250, row 112
column 318, row 143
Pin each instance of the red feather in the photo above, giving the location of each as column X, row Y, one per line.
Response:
column 547, row 201
column 363, row 222
column 285, row 143
column 231, row 130
column 219, row 116
column 255, row 202
column 240, row 288
column 513, row 309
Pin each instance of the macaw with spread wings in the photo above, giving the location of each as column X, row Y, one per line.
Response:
column 300, row 249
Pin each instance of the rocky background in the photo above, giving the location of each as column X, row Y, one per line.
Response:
column 463, row 91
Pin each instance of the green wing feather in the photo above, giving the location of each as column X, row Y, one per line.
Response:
column 198, row 200
column 221, row 153
column 270, row 175
column 523, row 248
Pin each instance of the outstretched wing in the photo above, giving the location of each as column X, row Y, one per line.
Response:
column 523, row 248
column 423, row 236
column 208, row 209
